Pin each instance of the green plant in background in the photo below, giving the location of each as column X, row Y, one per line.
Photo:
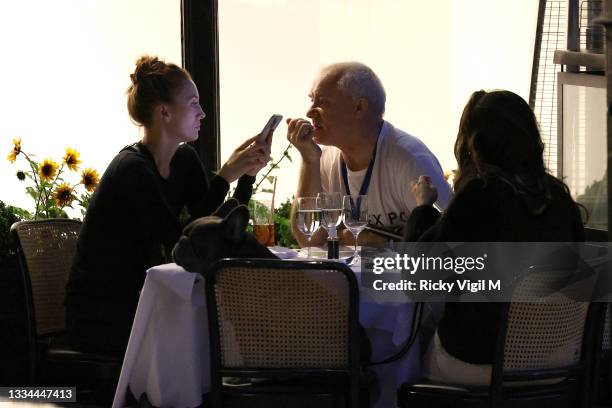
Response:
column 50, row 192
column 8, row 216
column 282, row 220
column 282, row 226
column 595, row 202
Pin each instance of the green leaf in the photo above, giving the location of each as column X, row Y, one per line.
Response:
column 267, row 190
column 32, row 192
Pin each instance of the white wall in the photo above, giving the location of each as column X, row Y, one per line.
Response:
column 492, row 47
column 65, row 69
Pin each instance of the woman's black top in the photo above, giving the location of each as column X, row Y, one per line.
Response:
column 131, row 224
column 491, row 211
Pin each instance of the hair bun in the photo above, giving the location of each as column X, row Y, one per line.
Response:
column 146, row 66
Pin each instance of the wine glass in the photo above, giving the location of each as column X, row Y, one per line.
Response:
column 330, row 205
column 355, row 212
column 308, row 217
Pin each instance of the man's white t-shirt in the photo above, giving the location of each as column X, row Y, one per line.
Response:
column 400, row 159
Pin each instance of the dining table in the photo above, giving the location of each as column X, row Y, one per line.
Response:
column 167, row 356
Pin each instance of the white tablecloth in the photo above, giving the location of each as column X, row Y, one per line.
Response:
column 168, row 354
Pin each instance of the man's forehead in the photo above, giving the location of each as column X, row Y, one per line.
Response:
column 325, row 82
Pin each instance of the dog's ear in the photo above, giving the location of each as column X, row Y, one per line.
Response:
column 234, row 225
column 225, row 208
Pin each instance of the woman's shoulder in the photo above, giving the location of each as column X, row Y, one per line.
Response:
column 129, row 162
column 478, row 196
column 186, row 150
column 475, row 187
column 185, row 156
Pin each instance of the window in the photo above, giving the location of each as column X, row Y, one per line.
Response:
column 430, row 57
column 66, row 66
column 583, row 135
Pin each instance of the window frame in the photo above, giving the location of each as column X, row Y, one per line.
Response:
column 200, row 49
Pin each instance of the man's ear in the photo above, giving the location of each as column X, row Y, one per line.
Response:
column 362, row 106
column 225, row 208
column 234, row 225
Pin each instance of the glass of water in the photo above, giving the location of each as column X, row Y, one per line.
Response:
column 308, row 217
column 355, row 213
column 330, row 205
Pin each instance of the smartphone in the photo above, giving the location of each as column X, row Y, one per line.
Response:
column 269, row 128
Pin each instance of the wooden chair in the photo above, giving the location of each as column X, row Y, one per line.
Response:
column 289, row 328
column 46, row 250
column 544, row 349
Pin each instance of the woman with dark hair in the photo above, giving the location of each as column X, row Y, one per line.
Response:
column 502, row 193
column 132, row 221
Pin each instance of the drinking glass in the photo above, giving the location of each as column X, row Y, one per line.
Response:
column 330, row 205
column 263, row 222
column 355, row 214
column 308, row 217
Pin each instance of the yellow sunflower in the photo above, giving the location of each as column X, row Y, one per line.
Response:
column 16, row 150
column 63, row 195
column 90, row 179
column 47, row 170
column 71, row 159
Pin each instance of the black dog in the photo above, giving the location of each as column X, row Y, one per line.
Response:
column 221, row 235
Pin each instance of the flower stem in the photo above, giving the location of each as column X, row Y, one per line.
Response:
column 272, row 167
column 38, row 185
column 48, row 191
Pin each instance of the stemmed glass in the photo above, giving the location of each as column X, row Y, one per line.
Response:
column 330, row 205
column 308, row 217
column 355, row 212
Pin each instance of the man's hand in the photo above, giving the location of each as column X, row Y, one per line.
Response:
column 299, row 133
column 424, row 191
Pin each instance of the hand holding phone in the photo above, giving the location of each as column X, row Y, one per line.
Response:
column 269, row 128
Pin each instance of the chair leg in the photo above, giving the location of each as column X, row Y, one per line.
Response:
column 354, row 391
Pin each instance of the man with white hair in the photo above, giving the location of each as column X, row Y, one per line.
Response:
column 362, row 153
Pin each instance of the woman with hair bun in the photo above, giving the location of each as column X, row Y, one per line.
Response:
column 132, row 221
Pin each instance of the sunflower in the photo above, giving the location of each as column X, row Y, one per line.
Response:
column 90, row 179
column 16, row 150
column 47, row 170
column 71, row 159
column 20, row 175
column 63, row 195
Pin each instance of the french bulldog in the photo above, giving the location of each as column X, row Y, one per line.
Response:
column 222, row 235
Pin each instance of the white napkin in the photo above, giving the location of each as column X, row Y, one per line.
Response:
column 179, row 281
column 283, row 253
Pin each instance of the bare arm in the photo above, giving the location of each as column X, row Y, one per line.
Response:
column 299, row 133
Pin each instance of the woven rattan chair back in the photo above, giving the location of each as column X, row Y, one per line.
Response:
column 546, row 333
column 274, row 318
column 47, row 249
